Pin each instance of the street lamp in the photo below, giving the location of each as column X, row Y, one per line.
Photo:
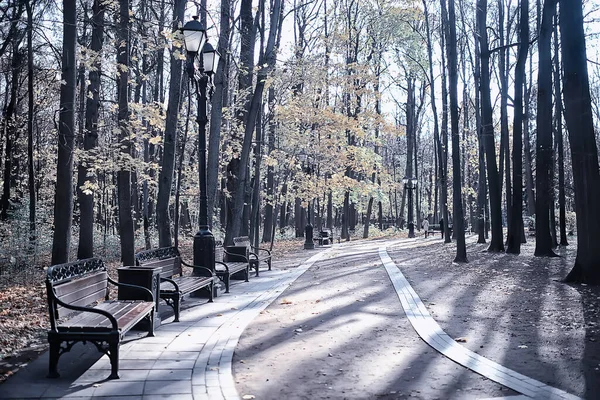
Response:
column 199, row 50
column 410, row 184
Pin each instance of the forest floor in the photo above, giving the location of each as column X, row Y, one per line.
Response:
column 340, row 329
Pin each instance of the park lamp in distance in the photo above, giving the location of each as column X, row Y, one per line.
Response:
column 210, row 58
column 196, row 41
column 406, row 180
column 194, row 36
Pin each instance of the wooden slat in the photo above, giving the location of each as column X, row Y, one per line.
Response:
column 189, row 284
column 127, row 314
column 130, row 315
column 170, row 266
column 233, row 266
column 80, row 284
column 79, row 297
column 93, row 320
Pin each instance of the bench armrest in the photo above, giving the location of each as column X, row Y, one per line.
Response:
column 223, row 264
column 172, row 282
column 206, row 272
column 143, row 289
column 253, row 254
column 236, row 255
column 257, row 249
column 111, row 318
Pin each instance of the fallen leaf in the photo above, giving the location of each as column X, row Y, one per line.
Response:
column 285, row 301
column 298, row 330
column 96, row 385
column 522, row 346
column 461, row 340
column 248, row 397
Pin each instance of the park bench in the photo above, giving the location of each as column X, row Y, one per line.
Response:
column 436, row 228
column 228, row 264
column 80, row 311
column 325, row 237
column 173, row 288
column 255, row 255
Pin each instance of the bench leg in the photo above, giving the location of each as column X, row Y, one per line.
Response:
column 211, row 289
column 226, row 280
column 177, row 305
column 247, row 274
column 151, row 323
column 269, row 262
column 113, row 349
column 54, row 355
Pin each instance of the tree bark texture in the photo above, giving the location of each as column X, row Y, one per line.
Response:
column 458, row 224
column 126, row 229
column 544, row 149
column 497, row 240
column 63, row 199
column 514, row 228
column 165, row 178
column 584, row 153
column 90, row 137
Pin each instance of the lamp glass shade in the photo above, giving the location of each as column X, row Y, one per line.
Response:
column 405, row 180
column 414, row 181
column 210, row 58
column 194, row 36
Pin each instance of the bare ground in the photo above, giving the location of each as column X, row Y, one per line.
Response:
column 340, row 333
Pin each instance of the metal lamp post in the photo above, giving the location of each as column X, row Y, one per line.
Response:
column 200, row 51
column 410, row 184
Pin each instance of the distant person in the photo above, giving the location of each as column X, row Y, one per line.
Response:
column 442, row 226
column 425, row 226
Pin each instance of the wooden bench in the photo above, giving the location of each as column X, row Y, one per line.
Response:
column 78, row 294
column 436, row 228
column 324, row 238
column 235, row 263
column 255, row 255
column 172, row 289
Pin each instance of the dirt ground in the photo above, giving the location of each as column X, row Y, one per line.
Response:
column 514, row 309
column 340, row 333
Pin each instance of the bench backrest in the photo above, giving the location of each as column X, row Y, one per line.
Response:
column 165, row 257
column 241, row 241
column 169, row 266
column 79, row 283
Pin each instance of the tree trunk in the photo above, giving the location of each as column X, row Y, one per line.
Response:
column 90, row 138
column 515, row 227
column 497, row 242
column 458, row 224
column 543, row 239
column 584, row 153
column 63, row 199
column 216, row 112
column 268, row 64
column 440, row 171
column 126, row 229
column 30, row 116
column 503, row 61
column 165, row 179
column 558, row 137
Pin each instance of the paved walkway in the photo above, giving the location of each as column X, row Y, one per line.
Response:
column 192, row 359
